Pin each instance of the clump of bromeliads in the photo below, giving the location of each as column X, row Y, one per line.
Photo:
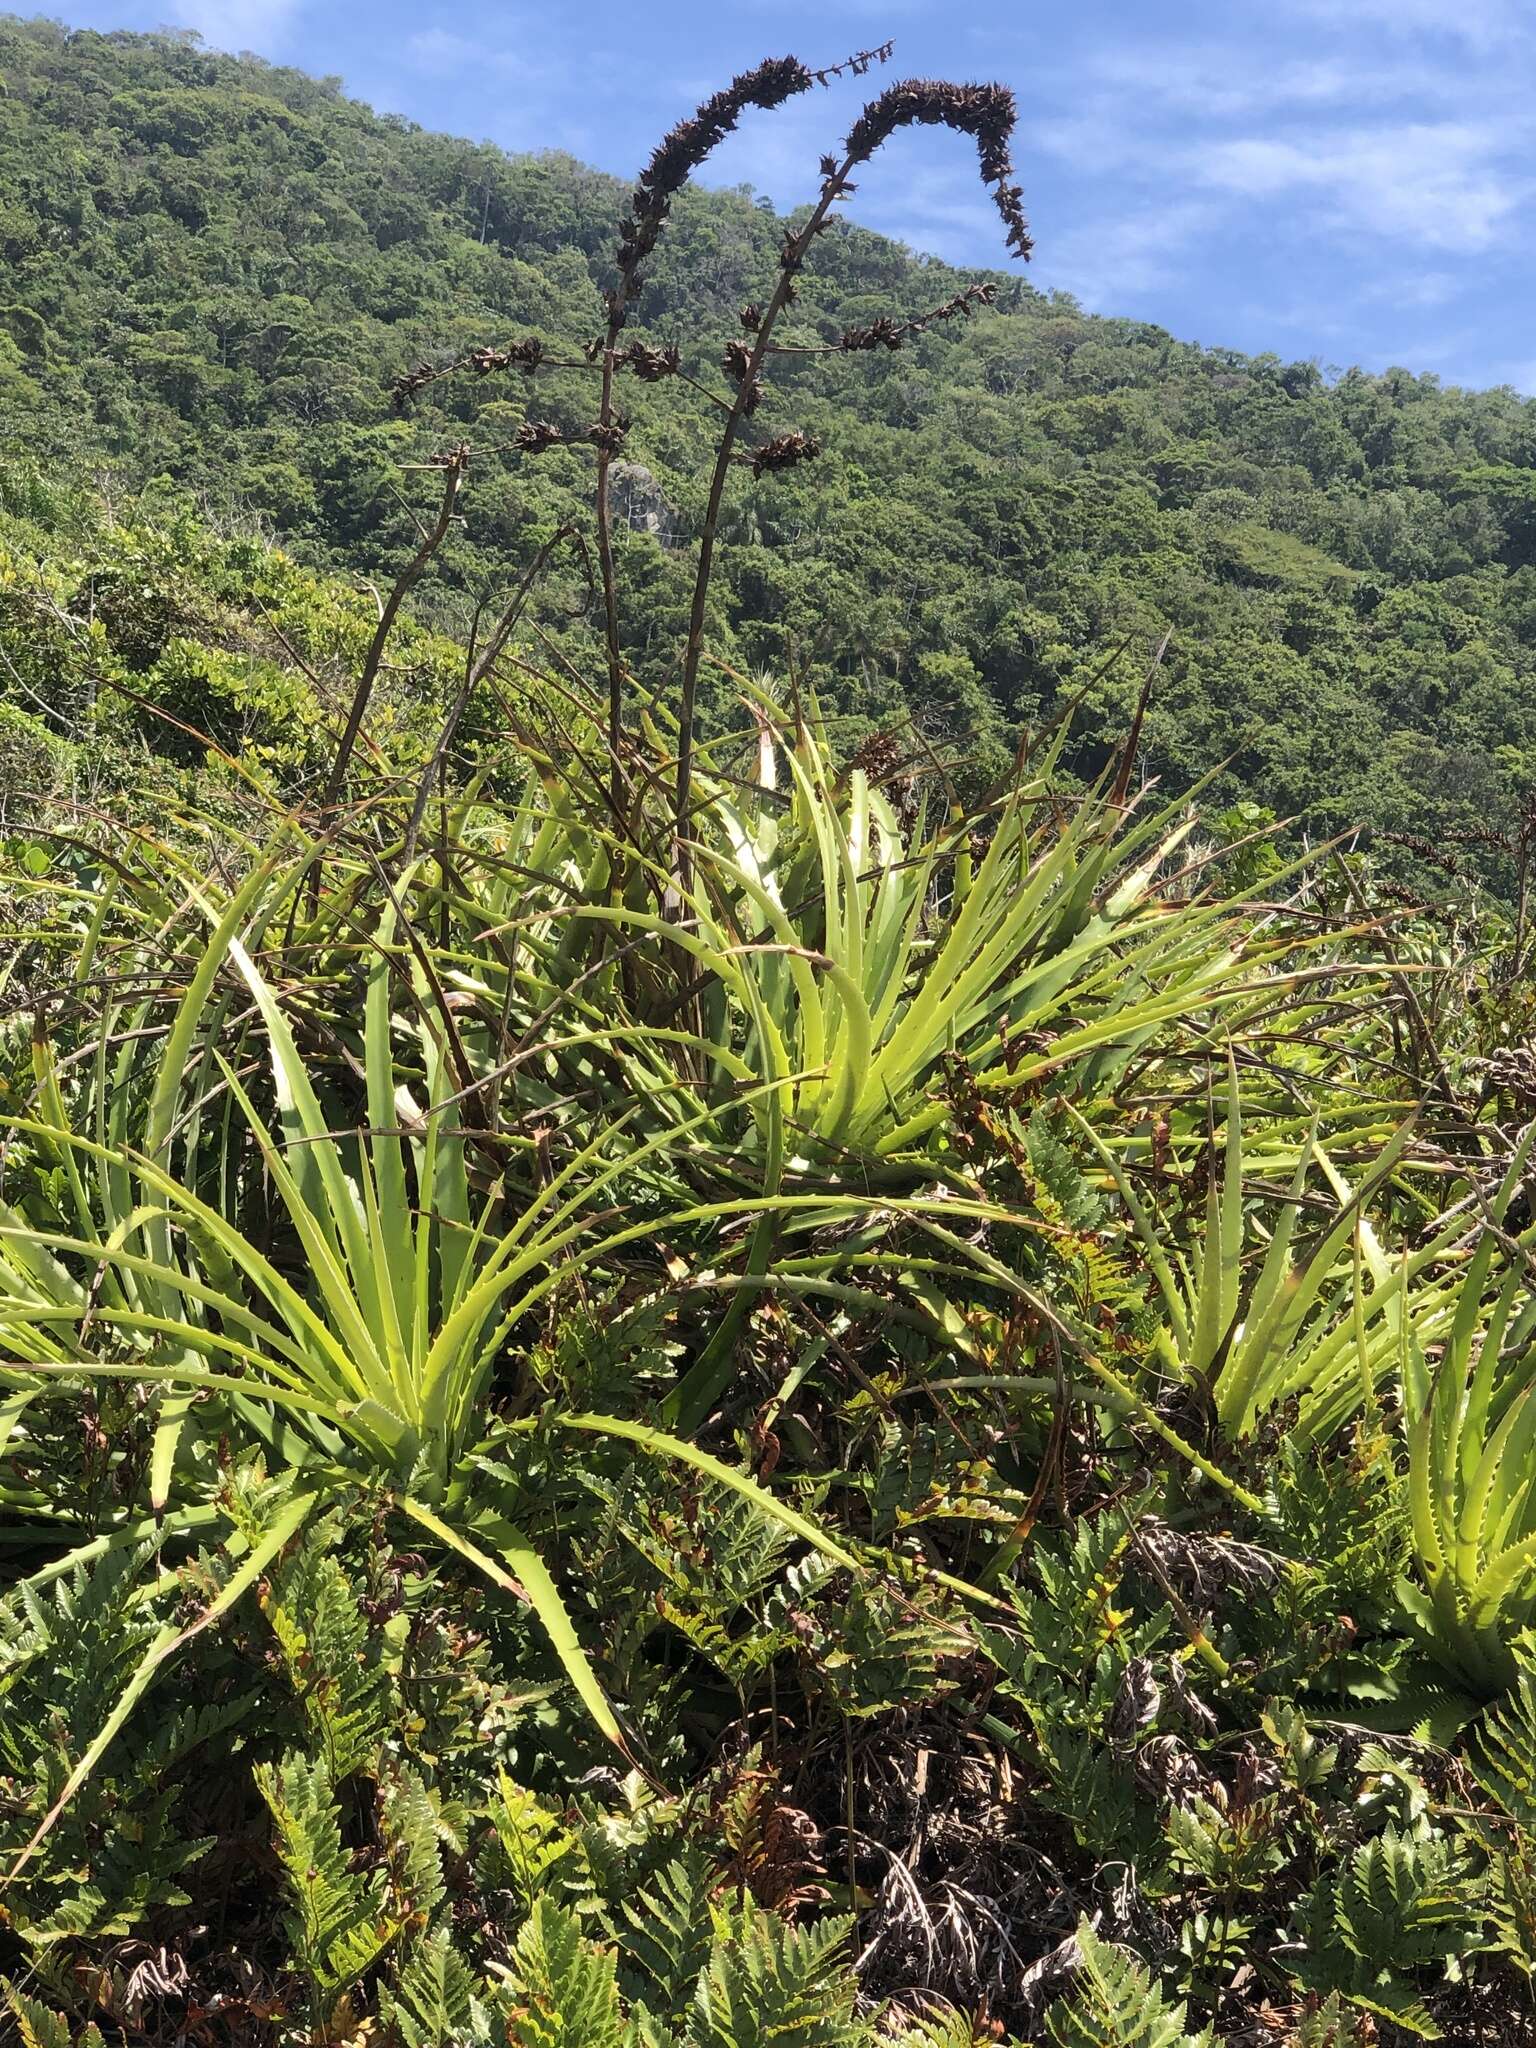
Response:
column 671, row 1391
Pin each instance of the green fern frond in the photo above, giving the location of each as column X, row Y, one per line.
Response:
column 942, row 2027
column 565, row 1989
column 769, row 1985
column 135, row 1867
column 328, row 1652
column 190, row 1728
column 68, row 1647
column 533, row 1852
column 1116, row 2004
column 667, row 1933
column 1512, row 1902
column 644, row 2030
column 1402, row 1906
column 712, row 1547
column 408, row 1819
column 1398, row 1899
column 1328, row 2025
column 37, row 2027
column 433, row 2002
column 1503, row 1756
column 338, row 1927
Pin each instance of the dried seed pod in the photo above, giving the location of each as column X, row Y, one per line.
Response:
column 650, row 365
column 880, row 333
column 609, row 435
column 887, row 333
column 783, row 452
column 410, row 382
column 858, row 63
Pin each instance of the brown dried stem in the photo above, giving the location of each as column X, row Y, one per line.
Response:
column 986, row 112
column 453, row 465
column 476, row 668
column 673, row 162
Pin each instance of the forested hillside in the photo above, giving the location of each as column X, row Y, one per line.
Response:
column 217, row 270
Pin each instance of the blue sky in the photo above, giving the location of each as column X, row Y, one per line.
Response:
column 1346, row 179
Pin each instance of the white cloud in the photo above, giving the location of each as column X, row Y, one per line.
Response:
column 439, row 52
column 1441, row 185
column 1350, row 155
column 1423, row 289
column 1106, row 262
column 1480, row 22
column 1363, row 139
column 1232, row 79
column 257, row 25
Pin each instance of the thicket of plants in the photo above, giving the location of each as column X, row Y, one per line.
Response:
column 664, row 1388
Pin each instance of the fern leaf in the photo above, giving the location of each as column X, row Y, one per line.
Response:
column 327, row 1650
column 768, row 1985
column 942, row 2027
column 669, row 1930
column 338, row 1926
column 534, row 1854
column 409, row 1823
column 1503, row 1759
column 566, row 1989
column 1329, row 2025
column 37, row 2027
column 1400, row 1906
column 644, row 2030
column 1116, row 2004
column 433, row 2004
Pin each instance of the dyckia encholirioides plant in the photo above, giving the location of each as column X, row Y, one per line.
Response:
column 842, row 955
column 842, row 952
column 1308, row 1319
column 1471, row 1425
column 371, row 1363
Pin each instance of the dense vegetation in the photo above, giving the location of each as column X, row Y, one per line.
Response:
column 215, row 271
column 692, row 1381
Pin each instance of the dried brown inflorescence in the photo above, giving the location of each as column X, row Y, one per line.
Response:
column 527, row 355
column 650, row 365
column 985, row 112
column 608, row 436
column 524, row 355
column 680, row 152
column 534, row 436
column 783, row 452
column 856, row 65
column 411, row 381
column 887, row 333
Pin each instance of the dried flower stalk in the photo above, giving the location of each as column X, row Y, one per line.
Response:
column 986, row 113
